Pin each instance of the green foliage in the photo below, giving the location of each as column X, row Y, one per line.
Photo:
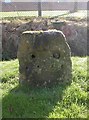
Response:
column 65, row 101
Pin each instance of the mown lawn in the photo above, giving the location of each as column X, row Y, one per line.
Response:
column 65, row 13
column 31, row 13
column 64, row 101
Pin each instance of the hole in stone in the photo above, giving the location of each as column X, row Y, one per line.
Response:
column 26, row 67
column 33, row 56
column 61, row 66
column 38, row 66
column 56, row 55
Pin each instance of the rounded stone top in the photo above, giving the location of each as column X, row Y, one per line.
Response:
column 51, row 31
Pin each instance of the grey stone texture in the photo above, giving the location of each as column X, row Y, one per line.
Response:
column 44, row 58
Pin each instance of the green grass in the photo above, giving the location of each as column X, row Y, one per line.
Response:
column 64, row 13
column 57, row 102
column 31, row 13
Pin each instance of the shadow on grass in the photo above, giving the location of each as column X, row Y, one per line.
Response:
column 24, row 102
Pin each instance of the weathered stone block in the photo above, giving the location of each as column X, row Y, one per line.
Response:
column 44, row 58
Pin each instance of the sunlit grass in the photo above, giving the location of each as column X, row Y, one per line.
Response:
column 57, row 102
column 31, row 13
column 65, row 13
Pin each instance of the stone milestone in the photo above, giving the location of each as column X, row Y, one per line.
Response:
column 44, row 58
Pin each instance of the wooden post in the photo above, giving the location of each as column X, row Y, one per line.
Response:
column 39, row 9
column 75, row 6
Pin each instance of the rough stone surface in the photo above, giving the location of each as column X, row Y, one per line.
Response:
column 44, row 58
